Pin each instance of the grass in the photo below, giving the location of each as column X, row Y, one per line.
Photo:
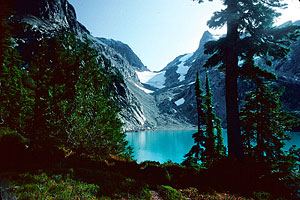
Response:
column 43, row 186
column 169, row 193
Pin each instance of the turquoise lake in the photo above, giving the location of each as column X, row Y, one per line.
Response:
column 165, row 145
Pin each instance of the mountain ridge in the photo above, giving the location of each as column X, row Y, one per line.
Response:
column 34, row 20
column 149, row 100
column 125, row 51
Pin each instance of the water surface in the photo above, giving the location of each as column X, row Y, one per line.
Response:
column 161, row 145
column 165, row 145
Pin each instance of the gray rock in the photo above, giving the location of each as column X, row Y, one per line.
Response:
column 170, row 107
column 126, row 52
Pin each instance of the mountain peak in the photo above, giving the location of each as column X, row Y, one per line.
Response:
column 205, row 38
column 48, row 15
column 126, row 52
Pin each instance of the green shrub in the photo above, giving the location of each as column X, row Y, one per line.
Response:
column 146, row 163
column 156, row 175
column 262, row 195
column 114, row 184
column 169, row 193
column 5, row 132
column 145, row 193
column 41, row 186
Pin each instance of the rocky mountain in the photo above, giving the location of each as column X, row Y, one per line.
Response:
column 32, row 20
column 173, row 87
column 46, row 16
column 177, row 82
column 149, row 100
column 126, row 52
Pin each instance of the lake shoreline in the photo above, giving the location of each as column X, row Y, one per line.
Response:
column 164, row 129
column 161, row 145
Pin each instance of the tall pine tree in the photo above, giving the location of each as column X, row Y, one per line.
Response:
column 249, row 34
column 94, row 126
column 14, row 102
column 71, row 92
column 208, row 146
column 214, row 147
column 196, row 152
column 264, row 123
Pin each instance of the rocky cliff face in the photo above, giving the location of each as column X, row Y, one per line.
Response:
column 47, row 15
column 180, row 74
column 177, row 96
column 33, row 19
column 126, row 52
column 163, row 99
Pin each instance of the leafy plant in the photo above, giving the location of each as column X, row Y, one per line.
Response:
column 169, row 193
column 41, row 186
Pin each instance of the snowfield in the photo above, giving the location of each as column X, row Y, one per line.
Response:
column 155, row 79
column 145, row 76
column 182, row 68
column 180, row 102
column 144, row 89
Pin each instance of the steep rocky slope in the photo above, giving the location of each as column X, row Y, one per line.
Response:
column 163, row 99
column 176, row 96
column 46, row 16
column 126, row 52
column 33, row 19
column 178, row 82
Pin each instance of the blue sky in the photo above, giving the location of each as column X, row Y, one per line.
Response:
column 156, row 30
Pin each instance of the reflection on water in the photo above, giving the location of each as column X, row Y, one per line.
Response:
column 161, row 145
column 172, row 145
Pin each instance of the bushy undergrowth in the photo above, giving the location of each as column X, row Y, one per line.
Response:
column 169, row 193
column 43, row 186
column 76, row 184
column 82, row 178
column 114, row 184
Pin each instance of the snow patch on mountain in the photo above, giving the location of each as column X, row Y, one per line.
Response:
column 145, row 76
column 182, row 68
column 144, row 89
column 180, row 102
column 158, row 80
column 155, row 79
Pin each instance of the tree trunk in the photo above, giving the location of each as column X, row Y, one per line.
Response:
column 235, row 146
column 259, row 128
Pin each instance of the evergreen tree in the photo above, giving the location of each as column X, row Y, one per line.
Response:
column 62, row 95
column 264, row 123
column 220, row 148
column 214, row 148
column 249, row 34
column 210, row 117
column 71, row 90
column 14, row 103
column 208, row 146
column 196, row 152
column 52, row 72
column 94, row 126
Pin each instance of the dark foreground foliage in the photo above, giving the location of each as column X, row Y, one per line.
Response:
column 116, row 178
column 60, row 137
column 59, row 91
